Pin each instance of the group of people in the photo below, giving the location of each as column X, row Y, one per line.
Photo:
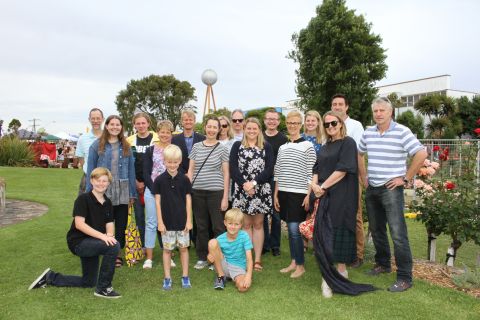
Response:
column 228, row 190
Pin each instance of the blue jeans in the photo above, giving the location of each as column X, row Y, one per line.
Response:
column 386, row 206
column 151, row 223
column 89, row 251
column 295, row 242
column 140, row 219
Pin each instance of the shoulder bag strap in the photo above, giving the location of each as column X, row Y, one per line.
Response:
column 204, row 162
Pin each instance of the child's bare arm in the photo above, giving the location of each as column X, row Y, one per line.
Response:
column 188, row 225
column 161, row 226
column 248, row 276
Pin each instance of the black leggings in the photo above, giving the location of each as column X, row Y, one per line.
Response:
column 120, row 214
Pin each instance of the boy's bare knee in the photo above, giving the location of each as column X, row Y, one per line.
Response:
column 212, row 244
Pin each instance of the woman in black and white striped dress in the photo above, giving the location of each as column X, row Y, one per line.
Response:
column 293, row 174
column 209, row 173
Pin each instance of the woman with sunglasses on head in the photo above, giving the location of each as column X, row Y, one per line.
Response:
column 313, row 129
column 210, row 177
column 335, row 182
column 251, row 168
column 293, row 172
column 153, row 167
column 112, row 151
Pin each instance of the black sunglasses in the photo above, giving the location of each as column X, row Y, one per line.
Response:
column 237, row 120
column 224, row 125
column 327, row 124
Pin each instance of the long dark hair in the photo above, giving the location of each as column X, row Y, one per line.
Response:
column 121, row 137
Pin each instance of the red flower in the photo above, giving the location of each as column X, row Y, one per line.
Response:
column 445, row 151
column 478, row 121
column 443, row 157
column 436, row 148
column 477, row 131
column 449, row 185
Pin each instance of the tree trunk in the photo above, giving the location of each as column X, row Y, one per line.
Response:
column 432, row 247
column 452, row 252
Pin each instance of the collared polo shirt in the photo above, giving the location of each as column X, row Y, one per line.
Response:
column 173, row 192
column 83, row 144
column 387, row 152
column 96, row 215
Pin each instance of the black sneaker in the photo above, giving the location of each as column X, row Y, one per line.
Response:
column 377, row 269
column 219, row 283
column 276, row 252
column 400, row 286
column 41, row 281
column 357, row 263
column 107, row 293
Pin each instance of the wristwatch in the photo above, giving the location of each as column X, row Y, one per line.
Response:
column 405, row 180
column 254, row 183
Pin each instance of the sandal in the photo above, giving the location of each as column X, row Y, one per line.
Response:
column 257, row 266
column 118, row 262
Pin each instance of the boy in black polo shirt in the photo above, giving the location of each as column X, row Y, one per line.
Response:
column 91, row 235
column 174, row 213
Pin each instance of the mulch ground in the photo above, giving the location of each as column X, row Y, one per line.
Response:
column 440, row 275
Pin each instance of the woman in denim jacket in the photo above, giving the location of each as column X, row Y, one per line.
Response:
column 112, row 151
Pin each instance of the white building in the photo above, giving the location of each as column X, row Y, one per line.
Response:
column 411, row 91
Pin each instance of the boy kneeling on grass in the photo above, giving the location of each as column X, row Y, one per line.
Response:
column 231, row 253
column 173, row 202
column 91, row 235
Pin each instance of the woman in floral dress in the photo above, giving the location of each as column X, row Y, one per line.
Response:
column 251, row 168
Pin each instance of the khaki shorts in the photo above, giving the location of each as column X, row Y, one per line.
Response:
column 232, row 271
column 173, row 239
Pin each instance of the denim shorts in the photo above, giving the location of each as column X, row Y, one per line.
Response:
column 232, row 271
column 173, row 239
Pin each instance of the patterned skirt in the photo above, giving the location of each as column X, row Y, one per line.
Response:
column 344, row 246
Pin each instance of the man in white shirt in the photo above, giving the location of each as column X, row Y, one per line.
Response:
column 237, row 124
column 355, row 131
column 95, row 117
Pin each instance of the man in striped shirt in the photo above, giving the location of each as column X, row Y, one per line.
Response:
column 387, row 145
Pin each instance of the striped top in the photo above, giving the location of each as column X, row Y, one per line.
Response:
column 211, row 175
column 387, row 152
column 293, row 170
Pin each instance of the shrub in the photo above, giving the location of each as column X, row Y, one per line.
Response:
column 15, row 152
column 470, row 279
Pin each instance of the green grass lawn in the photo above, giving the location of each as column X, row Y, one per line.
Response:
column 29, row 247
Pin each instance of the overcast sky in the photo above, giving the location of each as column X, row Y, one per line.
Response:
column 58, row 59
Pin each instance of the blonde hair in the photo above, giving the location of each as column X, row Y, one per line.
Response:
column 99, row 172
column 234, row 215
column 172, row 152
column 319, row 132
column 343, row 129
column 164, row 124
column 260, row 140
column 295, row 114
column 230, row 130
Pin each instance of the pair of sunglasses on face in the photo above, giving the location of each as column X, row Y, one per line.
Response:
column 327, row 125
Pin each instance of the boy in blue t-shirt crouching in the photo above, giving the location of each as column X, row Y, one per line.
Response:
column 231, row 253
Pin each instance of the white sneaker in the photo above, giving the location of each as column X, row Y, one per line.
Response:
column 172, row 263
column 211, row 267
column 147, row 264
column 344, row 274
column 200, row 264
column 326, row 291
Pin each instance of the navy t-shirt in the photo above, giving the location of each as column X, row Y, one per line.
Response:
column 96, row 215
column 173, row 199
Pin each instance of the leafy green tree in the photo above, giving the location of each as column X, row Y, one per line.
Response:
column 469, row 112
column 223, row 112
column 442, row 113
column 338, row 53
column 414, row 123
column 14, row 125
column 162, row 97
